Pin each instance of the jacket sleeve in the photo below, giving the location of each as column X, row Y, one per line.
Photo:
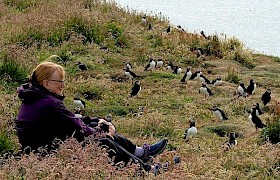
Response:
column 71, row 122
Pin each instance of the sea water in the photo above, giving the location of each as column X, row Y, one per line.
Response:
column 255, row 23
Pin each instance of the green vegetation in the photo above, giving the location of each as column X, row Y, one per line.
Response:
column 233, row 76
column 6, row 144
column 10, row 69
column 104, row 36
column 272, row 133
column 21, row 5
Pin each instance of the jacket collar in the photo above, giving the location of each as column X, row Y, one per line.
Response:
column 41, row 88
column 31, row 91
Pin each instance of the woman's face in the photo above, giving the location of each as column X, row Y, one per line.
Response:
column 55, row 83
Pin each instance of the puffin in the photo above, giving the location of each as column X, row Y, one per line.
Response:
column 144, row 20
column 135, row 89
column 128, row 65
column 78, row 112
column 180, row 28
column 258, row 110
column 129, row 74
column 195, row 75
column 151, row 65
column 170, row 65
column 205, row 90
column 150, row 27
column 251, row 88
column 176, row 70
column 266, row 97
column 241, row 89
column 203, row 79
column 79, row 102
column 191, row 131
column 168, row 30
column 255, row 119
column 218, row 113
column 159, row 64
column 186, row 76
column 231, row 142
column 203, row 34
column 217, row 82
column 199, row 52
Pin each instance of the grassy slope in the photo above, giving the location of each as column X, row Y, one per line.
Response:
column 168, row 104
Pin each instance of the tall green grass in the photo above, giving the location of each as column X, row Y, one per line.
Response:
column 11, row 71
column 272, row 133
column 6, row 144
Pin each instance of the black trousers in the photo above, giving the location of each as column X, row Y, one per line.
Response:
column 119, row 147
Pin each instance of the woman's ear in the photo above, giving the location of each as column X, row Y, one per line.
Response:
column 45, row 83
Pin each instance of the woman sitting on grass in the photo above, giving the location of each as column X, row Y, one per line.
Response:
column 43, row 118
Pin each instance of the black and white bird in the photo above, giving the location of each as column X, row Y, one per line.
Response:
column 79, row 102
column 231, row 142
column 127, row 65
column 251, row 88
column 258, row 110
column 170, row 66
column 151, row 65
column 205, row 90
column 78, row 112
column 159, row 63
column 135, row 89
column 195, row 75
column 186, row 76
column 191, row 131
column 241, row 89
column 168, row 30
column 180, row 28
column 198, row 51
column 144, row 20
column 176, row 70
column 131, row 75
column 266, row 97
column 203, row 34
column 150, row 27
column 217, row 82
column 203, row 79
column 255, row 118
column 219, row 114
column 81, row 66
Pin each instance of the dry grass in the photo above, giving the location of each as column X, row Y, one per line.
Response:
column 168, row 105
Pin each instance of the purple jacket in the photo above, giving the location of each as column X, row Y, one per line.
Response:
column 43, row 117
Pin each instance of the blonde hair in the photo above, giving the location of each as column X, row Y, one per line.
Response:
column 44, row 71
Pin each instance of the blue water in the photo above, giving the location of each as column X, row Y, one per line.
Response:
column 256, row 23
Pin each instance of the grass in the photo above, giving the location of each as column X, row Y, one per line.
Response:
column 76, row 31
column 6, row 145
column 11, row 71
